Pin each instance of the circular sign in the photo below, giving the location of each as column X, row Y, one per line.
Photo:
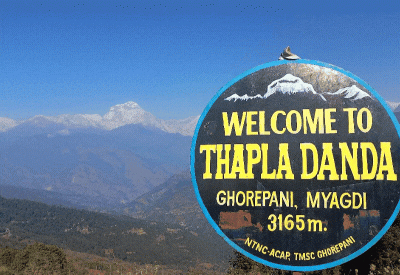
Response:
column 296, row 163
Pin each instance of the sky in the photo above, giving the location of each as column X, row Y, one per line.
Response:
column 172, row 57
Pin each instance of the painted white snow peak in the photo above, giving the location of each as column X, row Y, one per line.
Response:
column 353, row 93
column 289, row 84
column 246, row 97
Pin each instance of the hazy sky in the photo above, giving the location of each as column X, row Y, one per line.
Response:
column 171, row 57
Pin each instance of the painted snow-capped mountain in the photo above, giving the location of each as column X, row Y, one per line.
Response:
column 289, row 84
column 353, row 93
column 118, row 115
column 246, row 97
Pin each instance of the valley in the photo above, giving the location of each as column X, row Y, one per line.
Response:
column 116, row 237
column 132, row 175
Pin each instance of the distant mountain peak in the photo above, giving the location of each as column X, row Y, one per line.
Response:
column 7, row 123
column 394, row 105
column 126, row 110
column 127, row 105
column 40, row 120
column 128, row 113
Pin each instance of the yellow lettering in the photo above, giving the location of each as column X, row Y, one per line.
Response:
column 360, row 201
column 289, row 122
column 284, row 162
column 327, row 163
column 221, row 201
column 360, row 120
column 207, row 169
column 351, row 160
column 258, row 198
column 364, row 155
column 230, row 198
column 238, row 194
column 274, row 199
column 350, row 117
column 233, row 123
column 266, row 196
column 326, row 198
column 265, row 174
column 313, row 202
column 329, row 120
column 312, row 123
column 261, row 124
column 250, row 123
column 274, row 122
column 223, row 161
column 249, row 198
column 386, row 163
column 251, row 160
column 238, row 161
column 304, row 147
column 334, row 201
column 342, row 201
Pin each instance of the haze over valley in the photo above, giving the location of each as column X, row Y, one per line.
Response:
column 97, row 162
column 127, row 162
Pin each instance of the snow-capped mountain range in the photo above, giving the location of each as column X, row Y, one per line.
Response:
column 118, row 115
column 290, row 84
column 131, row 113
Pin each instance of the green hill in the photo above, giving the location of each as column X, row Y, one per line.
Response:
column 110, row 236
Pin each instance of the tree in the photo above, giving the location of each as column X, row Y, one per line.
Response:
column 42, row 259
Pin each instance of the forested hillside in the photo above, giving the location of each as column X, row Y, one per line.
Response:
column 124, row 238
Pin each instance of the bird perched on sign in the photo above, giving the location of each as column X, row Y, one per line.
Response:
column 288, row 55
